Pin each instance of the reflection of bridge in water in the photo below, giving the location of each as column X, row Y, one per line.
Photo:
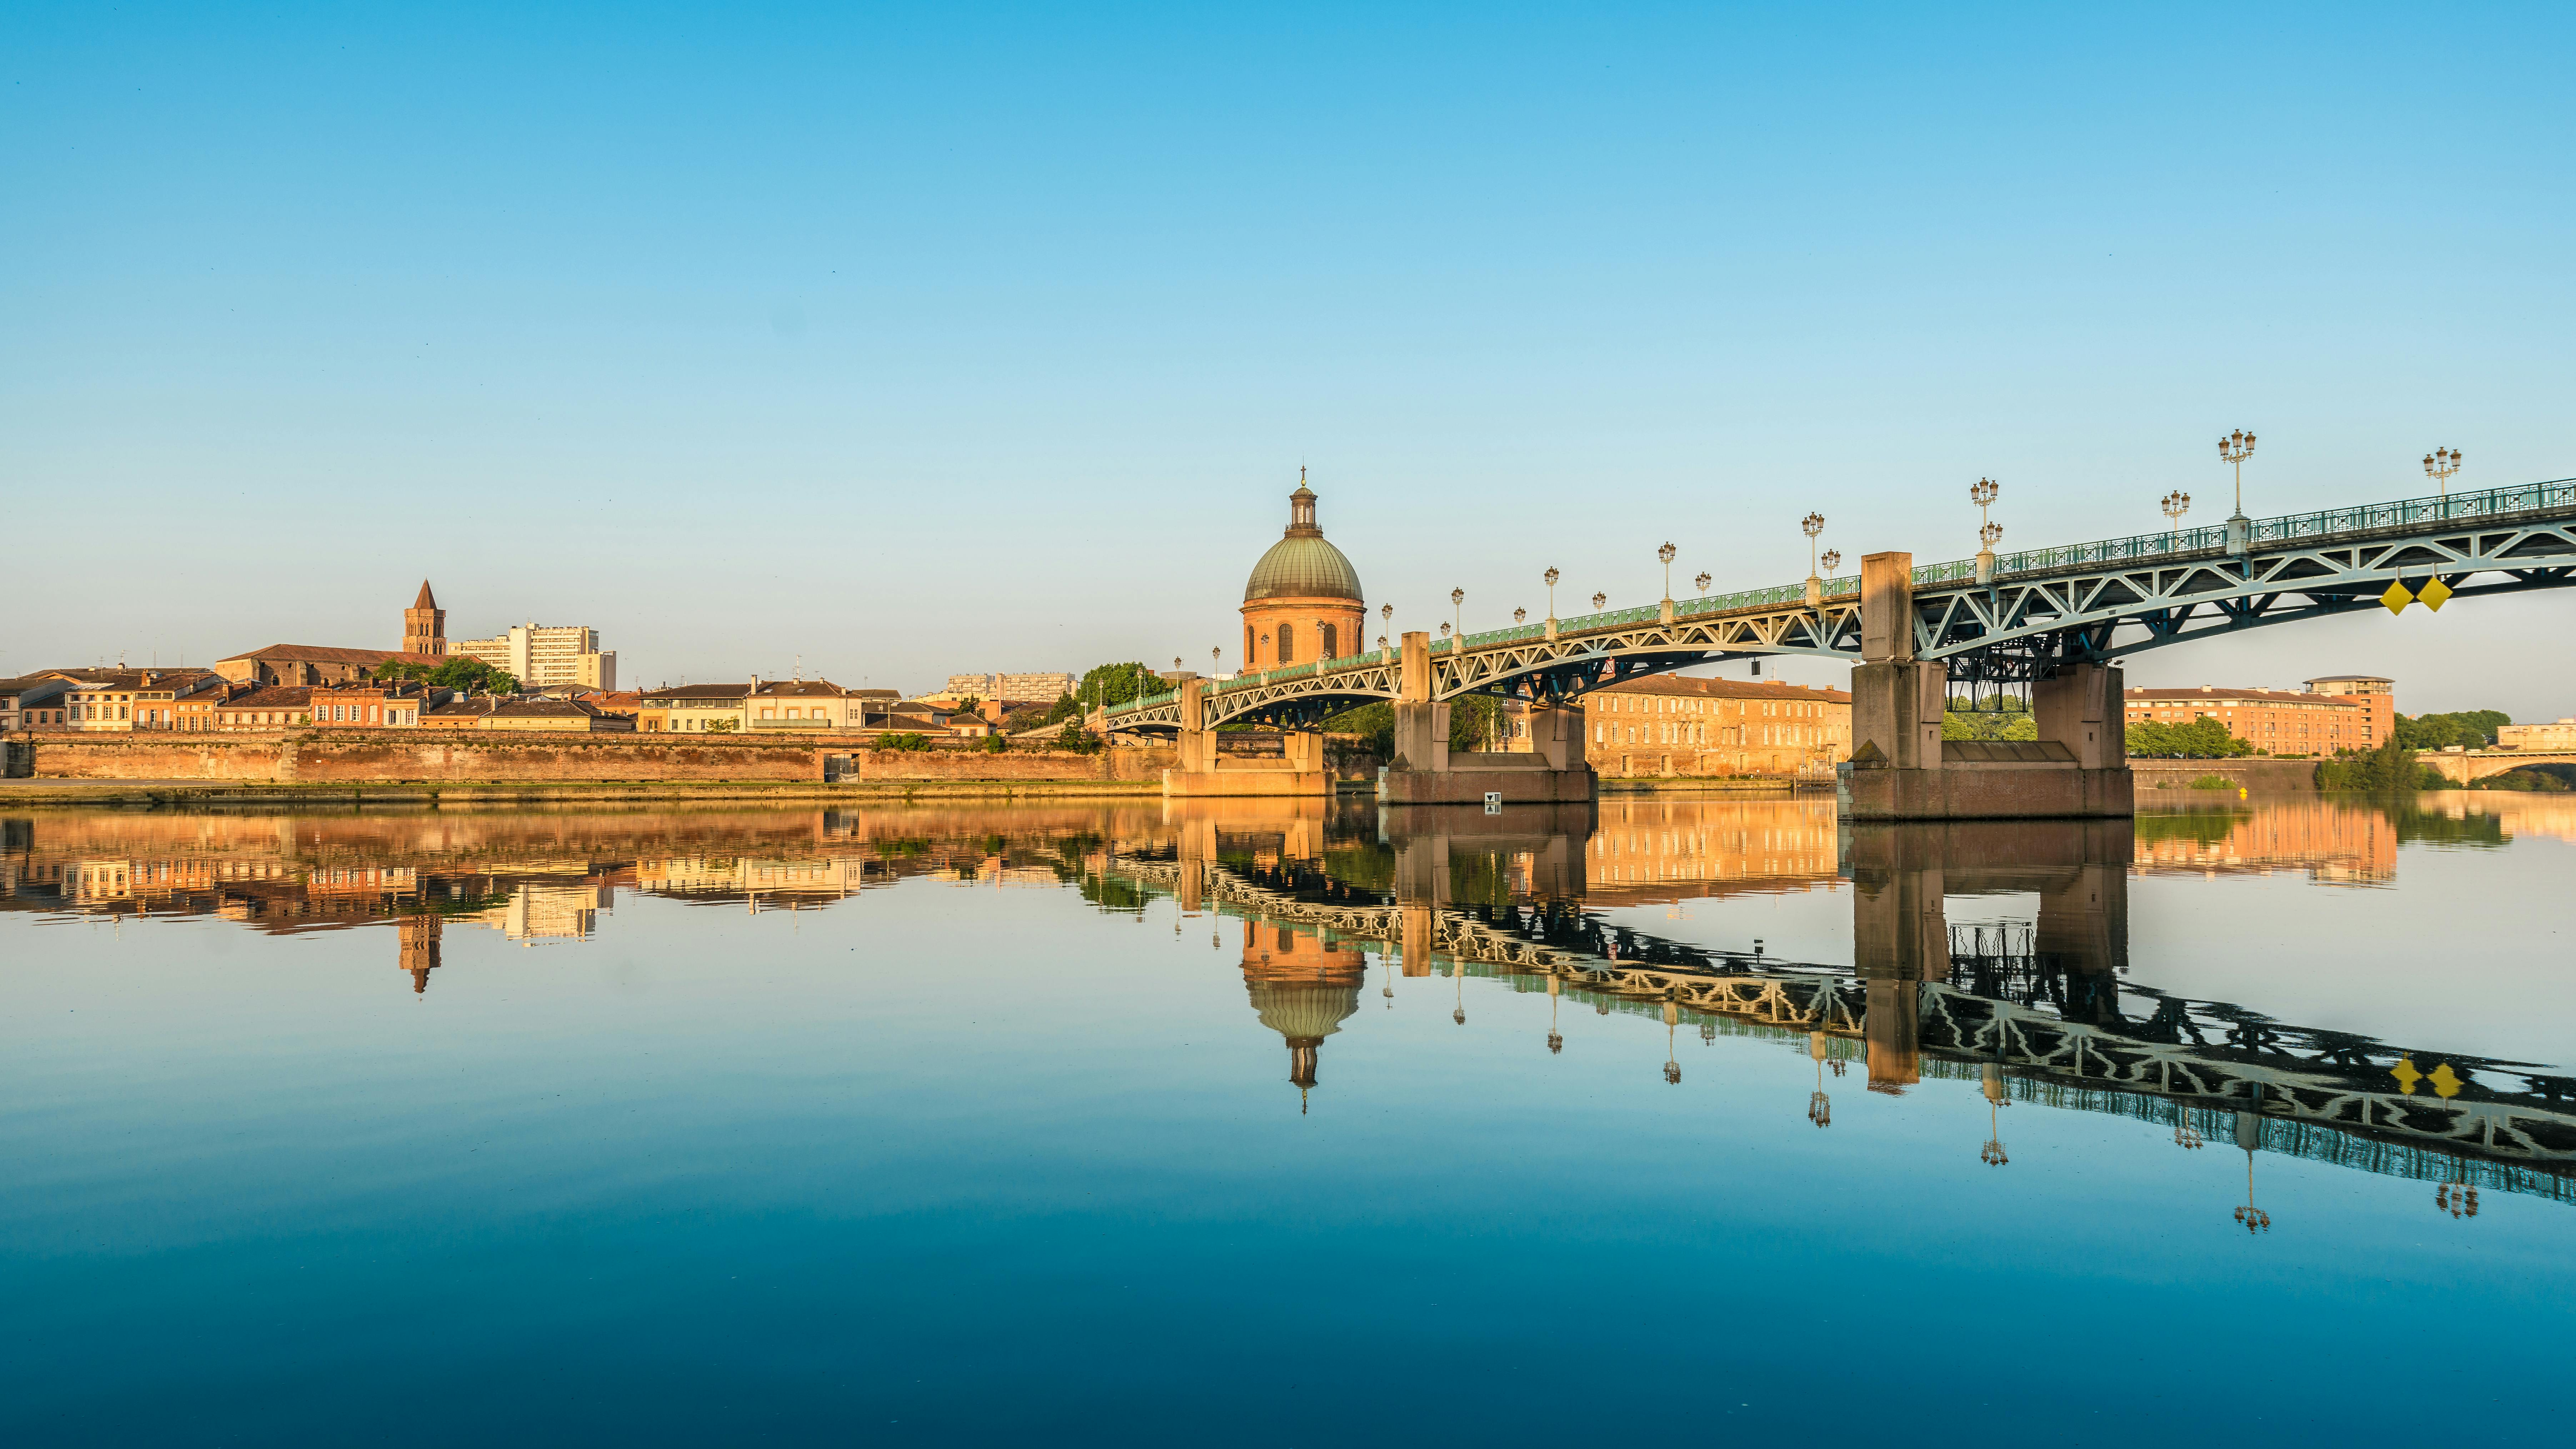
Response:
column 2033, row 1010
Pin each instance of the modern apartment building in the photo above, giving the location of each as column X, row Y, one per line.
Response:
column 2275, row 721
column 1020, row 688
column 537, row 654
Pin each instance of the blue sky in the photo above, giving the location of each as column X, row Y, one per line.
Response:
column 910, row 340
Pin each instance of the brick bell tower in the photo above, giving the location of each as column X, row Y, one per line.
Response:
column 425, row 625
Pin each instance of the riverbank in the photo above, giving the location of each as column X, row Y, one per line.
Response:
column 192, row 793
column 1704, row 785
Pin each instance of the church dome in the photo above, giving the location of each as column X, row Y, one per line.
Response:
column 1302, row 565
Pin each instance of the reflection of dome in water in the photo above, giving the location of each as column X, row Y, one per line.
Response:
column 1305, row 1012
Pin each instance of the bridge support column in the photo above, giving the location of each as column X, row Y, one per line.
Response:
column 1901, row 768
column 1203, row 771
column 1425, row 771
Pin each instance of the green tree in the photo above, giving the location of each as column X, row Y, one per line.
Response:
column 1106, row 684
column 1077, row 739
column 2469, row 728
column 2203, row 739
column 2392, row 766
column 461, row 672
column 1469, row 717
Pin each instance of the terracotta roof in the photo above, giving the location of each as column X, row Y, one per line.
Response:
column 699, row 693
column 276, row 696
column 2213, row 694
column 427, row 600
column 802, row 688
column 544, row 709
column 326, row 654
column 1671, row 684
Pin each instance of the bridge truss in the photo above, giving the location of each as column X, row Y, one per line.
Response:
column 2038, row 610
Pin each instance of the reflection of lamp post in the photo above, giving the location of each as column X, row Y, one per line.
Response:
column 2186, row 1136
column 1672, row 1064
column 2175, row 504
column 1992, row 1154
column 1820, row 1108
column 2457, row 1195
column 2439, row 465
column 2249, row 1135
column 1555, row 1038
column 1458, row 979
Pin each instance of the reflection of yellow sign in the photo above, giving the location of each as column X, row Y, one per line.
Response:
column 2446, row 1083
column 2397, row 598
column 2434, row 593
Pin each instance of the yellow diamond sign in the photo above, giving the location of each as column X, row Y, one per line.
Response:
column 2397, row 598
column 2434, row 593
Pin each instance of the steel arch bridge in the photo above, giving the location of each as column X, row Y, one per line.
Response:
column 2037, row 610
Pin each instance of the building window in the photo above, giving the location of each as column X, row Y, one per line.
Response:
column 1287, row 644
column 1247, row 646
column 1332, row 643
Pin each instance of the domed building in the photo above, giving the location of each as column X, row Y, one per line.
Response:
column 1303, row 601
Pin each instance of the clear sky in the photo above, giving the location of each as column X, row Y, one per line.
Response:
column 917, row 340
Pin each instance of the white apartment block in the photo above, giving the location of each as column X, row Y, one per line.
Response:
column 546, row 654
column 1020, row 688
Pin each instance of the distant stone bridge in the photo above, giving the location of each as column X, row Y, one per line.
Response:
column 2469, row 765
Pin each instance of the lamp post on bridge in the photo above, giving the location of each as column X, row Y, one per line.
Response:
column 1458, row 601
column 2439, row 465
column 1549, row 578
column 1811, row 525
column 1600, row 602
column 1702, row 582
column 1665, row 554
column 1982, row 493
column 1386, row 617
column 2233, row 450
column 2176, row 504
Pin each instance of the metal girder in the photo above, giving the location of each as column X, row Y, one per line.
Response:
column 2173, row 601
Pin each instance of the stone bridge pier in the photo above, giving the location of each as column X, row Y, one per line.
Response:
column 1204, row 771
column 1901, row 768
column 1425, row 771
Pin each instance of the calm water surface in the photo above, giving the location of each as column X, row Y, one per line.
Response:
column 1247, row 1122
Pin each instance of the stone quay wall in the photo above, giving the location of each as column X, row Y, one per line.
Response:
column 387, row 757
column 2250, row 773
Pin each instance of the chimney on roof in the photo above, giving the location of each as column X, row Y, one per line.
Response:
column 755, row 684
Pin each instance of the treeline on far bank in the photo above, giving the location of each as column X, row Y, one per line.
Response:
column 2392, row 766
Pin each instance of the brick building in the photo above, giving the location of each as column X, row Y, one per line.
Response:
column 275, row 708
column 312, row 665
column 425, row 626
column 35, row 702
column 120, row 701
column 392, row 704
column 2274, row 721
column 1672, row 725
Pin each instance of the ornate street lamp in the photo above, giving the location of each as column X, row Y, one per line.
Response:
column 1982, row 493
column 1458, row 601
column 2176, row 504
column 1216, row 659
column 2233, row 450
column 1811, row 525
column 1599, row 602
column 1386, row 616
column 1702, row 582
column 1832, row 560
column 2439, row 465
column 1520, row 616
column 1665, row 554
column 1549, row 579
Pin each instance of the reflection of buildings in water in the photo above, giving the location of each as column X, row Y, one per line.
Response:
column 1304, row 985
column 1654, row 850
column 538, row 910
column 2552, row 817
column 420, row 938
column 2334, row 842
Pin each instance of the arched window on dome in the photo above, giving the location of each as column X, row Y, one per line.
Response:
column 1247, row 646
column 1332, row 643
column 1287, row 643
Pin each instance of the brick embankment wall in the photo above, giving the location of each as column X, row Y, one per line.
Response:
column 2252, row 774
column 323, row 758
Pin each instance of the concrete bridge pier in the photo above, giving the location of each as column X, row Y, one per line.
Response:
column 1425, row 771
column 1900, row 939
column 1203, row 771
column 1901, row 768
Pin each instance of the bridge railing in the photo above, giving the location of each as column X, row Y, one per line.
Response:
column 2288, row 528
